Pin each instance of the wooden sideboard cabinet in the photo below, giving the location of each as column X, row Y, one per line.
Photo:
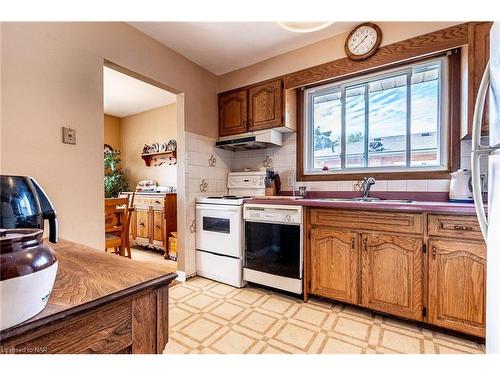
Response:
column 154, row 218
column 418, row 266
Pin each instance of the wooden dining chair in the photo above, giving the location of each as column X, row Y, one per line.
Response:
column 116, row 222
column 131, row 209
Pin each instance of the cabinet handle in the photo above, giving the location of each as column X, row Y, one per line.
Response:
column 157, row 226
column 460, row 227
column 157, row 202
column 141, row 224
column 366, row 244
column 352, row 243
column 434, row 252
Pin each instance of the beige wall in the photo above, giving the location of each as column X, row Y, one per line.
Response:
column 156, row 125
column 52, row 76
column 321, row 52
column 112, row 131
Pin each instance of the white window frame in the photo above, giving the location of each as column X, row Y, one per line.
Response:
column 443, row 115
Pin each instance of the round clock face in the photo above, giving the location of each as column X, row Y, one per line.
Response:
column 363, row 41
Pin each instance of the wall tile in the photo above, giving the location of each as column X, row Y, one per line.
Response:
column 438, row 185
column 416, row 185
column 396, row 185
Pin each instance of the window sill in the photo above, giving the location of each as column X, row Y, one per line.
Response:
column 406, row 175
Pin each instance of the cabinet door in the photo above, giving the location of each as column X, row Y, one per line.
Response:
column 142, row 225
column 334, row 264
column 478, row 56
column 392, row 274
column 265, row 106
column 233, row 113
column 158, row 228
column 457, row 285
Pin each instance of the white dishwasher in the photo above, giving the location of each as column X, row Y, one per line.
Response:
column 273, row 254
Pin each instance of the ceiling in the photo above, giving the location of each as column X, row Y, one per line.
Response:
column 221, row 47
column 125, row 96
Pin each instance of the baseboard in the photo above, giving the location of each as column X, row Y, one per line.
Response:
column 181, row 276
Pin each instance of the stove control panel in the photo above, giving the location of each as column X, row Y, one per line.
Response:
column 244, row 180
column 268, row 213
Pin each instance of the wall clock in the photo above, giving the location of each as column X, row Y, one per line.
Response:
column 363, row 41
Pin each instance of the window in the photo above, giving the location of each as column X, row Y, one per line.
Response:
column 384, row 122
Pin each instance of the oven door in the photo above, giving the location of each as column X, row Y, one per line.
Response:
column 274, row 248
column 219, row 229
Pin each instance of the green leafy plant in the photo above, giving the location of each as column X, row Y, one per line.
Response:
column 114, row 179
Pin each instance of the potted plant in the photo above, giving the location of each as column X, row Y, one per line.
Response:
column 114, row 179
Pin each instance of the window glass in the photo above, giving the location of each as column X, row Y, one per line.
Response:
column 327, row 130
column 425, row 116
column 389, row 121
column 355, row 142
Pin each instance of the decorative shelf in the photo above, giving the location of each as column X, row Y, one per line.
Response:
column 158, row 158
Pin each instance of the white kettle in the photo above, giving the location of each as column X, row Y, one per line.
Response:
column 461, row 186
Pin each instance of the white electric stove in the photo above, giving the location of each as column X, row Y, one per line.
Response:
column 219, row 228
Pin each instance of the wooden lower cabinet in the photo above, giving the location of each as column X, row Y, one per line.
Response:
column 159, row 228
column 392, row 274
column 334, row 262
column 142, row 224
column 435, row 272
column 457, row 285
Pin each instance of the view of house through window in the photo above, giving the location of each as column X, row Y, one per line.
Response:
column 383, row 122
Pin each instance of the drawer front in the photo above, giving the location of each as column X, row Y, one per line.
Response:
column 149, row 201
column 368, row 220
column 89, row 333
column 454, row 226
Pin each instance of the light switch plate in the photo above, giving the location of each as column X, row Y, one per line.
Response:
column 69, row 135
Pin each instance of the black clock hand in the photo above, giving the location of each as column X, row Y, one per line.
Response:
column 362, row 40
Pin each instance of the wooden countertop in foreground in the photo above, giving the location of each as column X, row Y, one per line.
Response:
column 416, row 206
column 88, row 279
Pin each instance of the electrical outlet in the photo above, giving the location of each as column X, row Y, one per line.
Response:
column 69, row 135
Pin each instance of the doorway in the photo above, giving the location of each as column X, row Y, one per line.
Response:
column 141, row 131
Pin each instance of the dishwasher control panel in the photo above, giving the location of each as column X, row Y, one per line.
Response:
column 269, row 213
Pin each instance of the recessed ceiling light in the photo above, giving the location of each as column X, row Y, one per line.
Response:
column 304, row 27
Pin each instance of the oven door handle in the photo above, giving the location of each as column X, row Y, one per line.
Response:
column 213, row 207
column 266, row 221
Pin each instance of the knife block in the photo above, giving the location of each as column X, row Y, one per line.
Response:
column 270, row 191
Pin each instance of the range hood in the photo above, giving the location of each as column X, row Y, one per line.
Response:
column 251, row 140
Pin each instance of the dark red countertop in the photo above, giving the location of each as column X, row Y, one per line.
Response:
column 417, row 206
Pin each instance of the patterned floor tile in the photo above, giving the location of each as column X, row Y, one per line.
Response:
column 352, row 328
column 200, row 330
column 233, row 343
column 207, row 317
column 335, row 346
column 258, row 321
column 295, row 335
column 311, row 315
column 227, row 310
column 200, row 301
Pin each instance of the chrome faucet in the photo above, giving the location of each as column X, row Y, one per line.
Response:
column 367, row 185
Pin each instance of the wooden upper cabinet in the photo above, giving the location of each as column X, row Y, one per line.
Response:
column 334, row 264
column 265, row 106
column 233, row 111
column 457, row 285
column 392, row 274
column 478, row 51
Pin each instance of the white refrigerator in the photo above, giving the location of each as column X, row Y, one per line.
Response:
column 490, row 224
